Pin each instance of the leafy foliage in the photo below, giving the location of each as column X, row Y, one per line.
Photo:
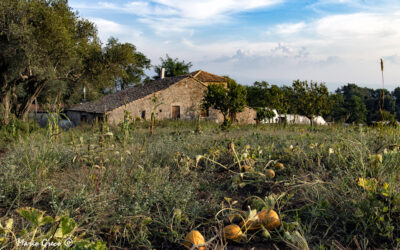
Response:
column 46, row 49
column 173, row 67
column 124, row 64
column 45, row 231
column 273, row 97
column 361, row 105
column 311, row 99
column 264, row 113
column 229, row 100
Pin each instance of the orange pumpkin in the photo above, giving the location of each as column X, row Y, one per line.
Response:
column 269, row 218
column 194, row 238
column 279, row 166
column 270, row 173
column 233, row 232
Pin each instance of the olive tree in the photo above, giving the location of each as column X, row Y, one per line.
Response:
column 311, row 99
column 229, row 100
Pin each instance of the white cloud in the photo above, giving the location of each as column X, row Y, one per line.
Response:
column 142, row 8
column 358, row 36
column 394, row 59
column 326, row 6
column 337, row 48
column 107, row 28
column 178, row 15
column 288, row 29
column 359, row 26
column 206, row 9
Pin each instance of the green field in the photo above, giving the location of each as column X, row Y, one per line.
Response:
column 120, row 187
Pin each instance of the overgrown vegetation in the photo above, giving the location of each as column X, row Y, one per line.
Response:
column 229, row 100
column 348, row 104
column 338, row 186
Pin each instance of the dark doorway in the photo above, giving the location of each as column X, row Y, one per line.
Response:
column 176, row 112
column 83, row 118
column 144, row 115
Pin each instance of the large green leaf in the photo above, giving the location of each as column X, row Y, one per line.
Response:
column 67, row 225
column 35, row 216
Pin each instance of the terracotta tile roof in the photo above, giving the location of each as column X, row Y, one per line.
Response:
column 120, row 98
column 206, row 77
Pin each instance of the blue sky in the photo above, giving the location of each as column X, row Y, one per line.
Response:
column 331, row 41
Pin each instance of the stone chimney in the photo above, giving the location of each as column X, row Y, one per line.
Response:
column 162, row 73
column 84, row 95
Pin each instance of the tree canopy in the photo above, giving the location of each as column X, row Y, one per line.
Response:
column 311, row 98
column 46, row 50
column 263, row 95
column 173, row 67
column 349, row 103
column 229, row 100
column 354, row 104
column 41, row 41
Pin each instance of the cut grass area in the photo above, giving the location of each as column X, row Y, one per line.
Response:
column 133, row 190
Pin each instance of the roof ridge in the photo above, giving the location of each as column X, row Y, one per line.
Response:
column 214, row 75
column 198, row 72
column 205, row 76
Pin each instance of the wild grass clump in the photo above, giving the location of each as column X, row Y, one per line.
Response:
column 337, row 186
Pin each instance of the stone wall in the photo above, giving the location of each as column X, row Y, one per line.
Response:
column 76, row 116
column 248, row 116
column 187, row 94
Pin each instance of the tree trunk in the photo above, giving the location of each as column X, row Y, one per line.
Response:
column 232, row 117
column 152, row 123
column 6, row 108
column 5, row 100
column 278, row 117
column 25, row 107
column 285, row 122
column 198, row 130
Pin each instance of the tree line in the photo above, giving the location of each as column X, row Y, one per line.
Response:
column 348, row 104
column 304, row 98
column 47, row 50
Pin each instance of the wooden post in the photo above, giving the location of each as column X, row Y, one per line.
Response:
column 36, row 109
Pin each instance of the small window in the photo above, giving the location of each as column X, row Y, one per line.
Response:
column 143, row 114
column 160, row 110
column 83, row 118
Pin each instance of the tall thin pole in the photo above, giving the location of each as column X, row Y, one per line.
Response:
column 382, row 99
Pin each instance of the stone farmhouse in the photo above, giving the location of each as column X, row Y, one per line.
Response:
column 178, row 97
